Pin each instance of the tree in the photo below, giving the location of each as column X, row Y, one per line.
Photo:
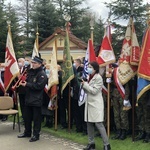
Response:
column 79, row 16
column 11, row 15
column 45, row 17
column 24, row 10
column 3, row 34
column 122, row 10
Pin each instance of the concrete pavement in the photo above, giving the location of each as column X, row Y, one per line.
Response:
column 9, row 140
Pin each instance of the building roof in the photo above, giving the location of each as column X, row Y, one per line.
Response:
column 72, row 38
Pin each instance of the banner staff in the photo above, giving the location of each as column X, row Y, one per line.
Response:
column 56, row 104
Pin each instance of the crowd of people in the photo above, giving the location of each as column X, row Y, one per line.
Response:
column 34, row 102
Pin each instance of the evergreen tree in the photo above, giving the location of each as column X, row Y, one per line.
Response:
column 122, row 10
column 10, row 15
column 79, row 17
column 24, row 10
column 3, row 34
column 45, row 17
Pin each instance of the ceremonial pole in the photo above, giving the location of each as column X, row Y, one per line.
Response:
column 133, row 92
column 56, row 104
column 108, row 75
column 37, row 38
column 67, row 19
column 92, row 28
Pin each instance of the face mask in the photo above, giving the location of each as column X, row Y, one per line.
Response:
column 2, row 69
column 26, row 63
column 74, row 64
column 20, row 64
column 47, row 72
column 89, row 70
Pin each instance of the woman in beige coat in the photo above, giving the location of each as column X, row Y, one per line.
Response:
column 94, row 106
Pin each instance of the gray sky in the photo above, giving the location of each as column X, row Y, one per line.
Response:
column 97, row 7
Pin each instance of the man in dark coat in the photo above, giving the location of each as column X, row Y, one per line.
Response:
column 34, row 84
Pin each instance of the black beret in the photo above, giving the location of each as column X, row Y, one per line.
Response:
column 37, row 59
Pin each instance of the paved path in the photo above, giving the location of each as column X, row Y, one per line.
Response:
column 9, row 141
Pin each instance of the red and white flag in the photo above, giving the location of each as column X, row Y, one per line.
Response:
column 53, row 80
column 106, row 53
column 35, row 51
column 11, row 65
column 129, row 57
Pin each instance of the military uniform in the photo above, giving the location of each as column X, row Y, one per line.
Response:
column 120, row 115
column 143, row 117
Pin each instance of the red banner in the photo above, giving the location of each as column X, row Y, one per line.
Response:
column 144, row 64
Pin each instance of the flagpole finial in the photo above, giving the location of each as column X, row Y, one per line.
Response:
column 67, row 18
column 92, row 28
column 37, row 31
column 8, row 23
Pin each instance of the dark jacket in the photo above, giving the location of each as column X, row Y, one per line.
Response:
column 36, row 81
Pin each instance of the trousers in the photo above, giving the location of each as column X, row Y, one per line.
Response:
column 101, row 129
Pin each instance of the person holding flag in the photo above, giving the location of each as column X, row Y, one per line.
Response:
column 94, row 106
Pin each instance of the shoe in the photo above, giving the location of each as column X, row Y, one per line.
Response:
column 123, row 135
column 147, row 138
column 107, row 147
column 34, row 138
column 4, row 118
column 63, row 127
column 23, row 135
column 118, row 134
column 140, row 136
column 79, row 130
column 90, row 147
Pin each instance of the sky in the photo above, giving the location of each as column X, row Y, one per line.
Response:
column 96, row 6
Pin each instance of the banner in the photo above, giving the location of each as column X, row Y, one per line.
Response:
column 129, row 57
column 67, row 69
column 144, row 66
column 11, row 65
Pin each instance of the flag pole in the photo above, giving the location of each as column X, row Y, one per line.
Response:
column 108, row 75
column 92, row 28
column 56, row 109
column 37, row 38
column 133, row 97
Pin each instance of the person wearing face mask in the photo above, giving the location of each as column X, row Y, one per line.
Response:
column 24, row 67
column 34, row 86
column 47, row 114
column 94, row 106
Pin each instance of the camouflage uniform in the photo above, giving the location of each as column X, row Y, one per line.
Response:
column 120, row 115
column 143, row 117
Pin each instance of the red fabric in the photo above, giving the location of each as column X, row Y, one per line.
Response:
column 144, row 64
column 92, row 56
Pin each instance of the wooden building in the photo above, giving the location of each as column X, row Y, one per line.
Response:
column 77, row 46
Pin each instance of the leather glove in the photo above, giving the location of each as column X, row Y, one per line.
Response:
column 126, row 103
column 108, row 80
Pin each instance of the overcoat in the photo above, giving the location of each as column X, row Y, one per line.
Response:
column 94, row 105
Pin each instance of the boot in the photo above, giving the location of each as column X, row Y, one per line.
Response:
column 123, row 135
column 147, row 138
column 90, row 147
column 107, row 147
column 140, row 136
column 118, row 134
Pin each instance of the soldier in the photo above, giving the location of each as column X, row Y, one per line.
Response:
column 120, row 115
column 143, row 118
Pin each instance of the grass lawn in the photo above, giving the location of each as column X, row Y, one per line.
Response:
column 126, row 144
